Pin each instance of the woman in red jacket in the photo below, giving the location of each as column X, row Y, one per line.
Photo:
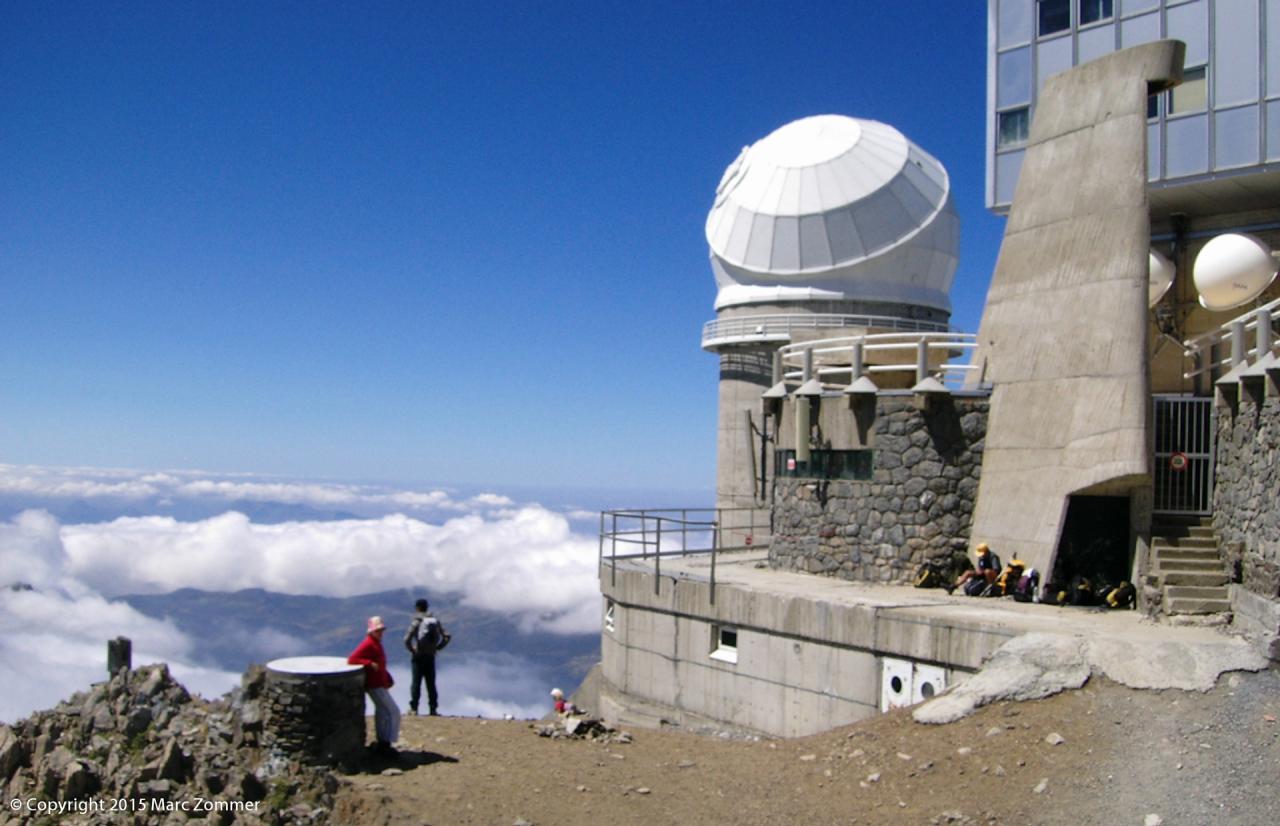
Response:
column 378, row 681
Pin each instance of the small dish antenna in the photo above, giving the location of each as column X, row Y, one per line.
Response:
column 1233, row 269
column 1160, row 272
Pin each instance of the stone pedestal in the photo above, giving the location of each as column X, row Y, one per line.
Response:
column 313, row 709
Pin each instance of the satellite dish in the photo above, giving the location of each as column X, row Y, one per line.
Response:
column 1160, row 272
column 1232, row 269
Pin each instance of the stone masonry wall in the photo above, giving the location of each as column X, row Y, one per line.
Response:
column 917, row 506
column 1246, row 498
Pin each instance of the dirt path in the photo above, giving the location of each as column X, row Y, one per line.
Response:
column 1189, row 758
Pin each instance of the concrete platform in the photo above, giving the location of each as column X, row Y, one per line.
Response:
column 789, row 654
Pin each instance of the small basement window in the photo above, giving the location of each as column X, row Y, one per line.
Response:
column 724, row 644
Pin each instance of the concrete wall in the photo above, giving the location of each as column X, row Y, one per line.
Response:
column 805, row 664
column 745, row 373
column 918, row 505
column 1246, row 514
column 1063, row 338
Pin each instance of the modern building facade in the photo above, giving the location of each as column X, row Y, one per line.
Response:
column 1207, row 139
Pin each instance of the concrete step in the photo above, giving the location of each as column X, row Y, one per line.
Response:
column 1185, row 542
column 1189, row 566
column 1197, row 606
column 1187, row 554
column 1200, row 580
column 1194, row 592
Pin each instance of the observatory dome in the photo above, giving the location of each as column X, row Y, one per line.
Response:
column 834, row 208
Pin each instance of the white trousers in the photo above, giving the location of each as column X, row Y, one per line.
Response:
column 386, row 716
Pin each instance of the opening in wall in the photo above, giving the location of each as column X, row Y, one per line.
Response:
column 825, row 464
column 724, row 644
column 610, row 609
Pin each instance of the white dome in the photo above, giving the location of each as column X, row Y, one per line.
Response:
column 1232, row 269
column 832, row 207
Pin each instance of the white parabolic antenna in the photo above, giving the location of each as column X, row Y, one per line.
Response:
column 1160, row 272
column 1232, row 269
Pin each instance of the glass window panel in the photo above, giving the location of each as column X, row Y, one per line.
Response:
column 1091, row 11
column 1008, row 165
column 1186, row 146
column 1191, row 95
column 1054, row 16
column 1190, row 24
column 1095, row 42
column 1235, row 137
column 1235, row 54
column 1273, row 130
column 1154, row 153
column 1013, row 127
column 1013, row 78
column 1272, row 46
column 1136, row 30
column 1134, row 6
column 1052, row 56
column 1014, row 23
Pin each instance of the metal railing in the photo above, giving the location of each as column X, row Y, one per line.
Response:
column 652, row 534
column 1248, row 337
column 922, row 353
column 781, row 326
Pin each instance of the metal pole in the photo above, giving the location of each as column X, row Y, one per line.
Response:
column 715, row 545
column 922, row 360
column 856, row 365
column 1263, row 333
column 657, row 560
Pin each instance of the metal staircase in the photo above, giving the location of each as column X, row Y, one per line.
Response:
column 1189, row 569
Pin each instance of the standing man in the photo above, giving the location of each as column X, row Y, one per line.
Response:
column 425, row 637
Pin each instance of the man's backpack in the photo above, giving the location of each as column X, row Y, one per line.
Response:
column 431, row 636
column 975, row 586
column 1121, row 596
column 1081, row 591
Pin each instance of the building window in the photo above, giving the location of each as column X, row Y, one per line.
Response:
column 826, row 464
column 1192, row 94
column 1091, row 11
column 1013, row 126
column 1153, row 106
column 724, row 644
column 1053, row 16
column 610, row 609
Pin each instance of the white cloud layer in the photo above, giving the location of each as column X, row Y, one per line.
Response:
column 136, row 486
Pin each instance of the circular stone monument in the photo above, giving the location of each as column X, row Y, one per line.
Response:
column 314, row 709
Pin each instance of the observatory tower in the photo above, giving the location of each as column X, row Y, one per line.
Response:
column 828, row 224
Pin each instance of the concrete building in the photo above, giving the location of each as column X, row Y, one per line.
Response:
column 1117, row 414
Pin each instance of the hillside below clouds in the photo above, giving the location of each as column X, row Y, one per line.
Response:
column 490, row 656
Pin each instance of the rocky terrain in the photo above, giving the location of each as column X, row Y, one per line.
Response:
column 139, row 749
column 1100, row 754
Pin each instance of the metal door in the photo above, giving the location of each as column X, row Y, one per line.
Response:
column 1183, row 454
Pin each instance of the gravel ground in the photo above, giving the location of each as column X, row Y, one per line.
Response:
column 1101, row 754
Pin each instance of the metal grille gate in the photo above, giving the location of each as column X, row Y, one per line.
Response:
column 1183, row 452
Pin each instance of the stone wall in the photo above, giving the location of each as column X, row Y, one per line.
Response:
column 917, row 506
column 1246, row 495
column 315, row 718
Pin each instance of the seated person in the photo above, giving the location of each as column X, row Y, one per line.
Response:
column 562, row 705
column 988, row 568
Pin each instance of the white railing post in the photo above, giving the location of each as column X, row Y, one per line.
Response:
column 922, row 360
column 1263, row 334
column 1237, row 342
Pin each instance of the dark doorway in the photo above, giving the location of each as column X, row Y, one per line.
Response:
column 1095, row 540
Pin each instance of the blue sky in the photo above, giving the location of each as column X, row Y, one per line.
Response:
column 415, row 242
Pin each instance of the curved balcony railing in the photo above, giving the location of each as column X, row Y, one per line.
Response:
column 780, row 327
column 1246, row 338
column 923, row 354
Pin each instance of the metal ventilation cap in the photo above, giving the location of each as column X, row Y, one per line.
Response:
column 862, row 386
column 811, row 388
column 930, row 385
column 778, row 391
